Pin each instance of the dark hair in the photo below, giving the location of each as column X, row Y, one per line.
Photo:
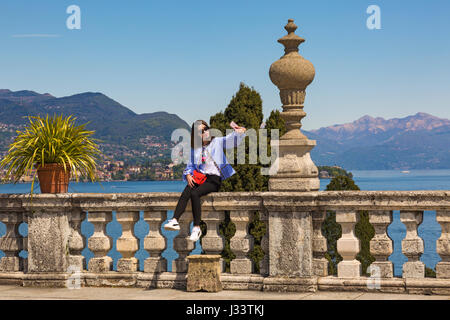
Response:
column 195, row 131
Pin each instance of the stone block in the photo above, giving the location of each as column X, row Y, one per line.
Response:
column 241, row 266
column 48, row 240
column 381, row 269
column 76, row 262
column 127, row 265
column 412, row 247
column 443, row 270
column 381, row 247
column 320, row 267
column 155, row 265
column 9, row 264
column 290, row 244
column 204, row 273
column 99, row 265
column 413, row 269
column 349, row 269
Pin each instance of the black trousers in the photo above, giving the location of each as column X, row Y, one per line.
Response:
column 212, row 184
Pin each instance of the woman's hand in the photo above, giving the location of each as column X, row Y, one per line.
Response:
column 190, row 180
column 240, row 130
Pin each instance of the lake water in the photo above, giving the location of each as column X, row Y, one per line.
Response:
column 429, row 230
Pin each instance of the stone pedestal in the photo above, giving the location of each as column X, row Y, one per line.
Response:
column 204, row 273
column 48, row 240
column 293, row 170
column 290, row 244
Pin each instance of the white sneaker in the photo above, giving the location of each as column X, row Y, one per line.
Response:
column 172, row 225
column 196, row 234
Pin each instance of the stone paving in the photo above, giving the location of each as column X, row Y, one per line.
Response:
column 92, row 293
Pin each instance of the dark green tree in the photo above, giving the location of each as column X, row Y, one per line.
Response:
column 245, row 108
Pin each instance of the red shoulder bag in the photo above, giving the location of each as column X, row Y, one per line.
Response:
column 199, row 177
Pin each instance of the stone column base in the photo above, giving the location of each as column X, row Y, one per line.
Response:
column 99, row 265
column 443, row 270
column 75, row 263
column 204, row 273
column 10, row 264
column 414, row 269
column 349, row 269
column 320, row 267
column 127, row 265
column 155, row 265
column 241, row 266
column 381, row 269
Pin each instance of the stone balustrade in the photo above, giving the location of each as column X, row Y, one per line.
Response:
column 293, row 245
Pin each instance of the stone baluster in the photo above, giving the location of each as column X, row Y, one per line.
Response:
column 128, row 243
column 264, row 263
column 182, row 245
column 443, row 245
column 381, row 244
column 25, row 241
column 348, row 245
column 213, row 243
column 320, row 263
column 241, row 243
column 412, row 245
column 100, row 243
column 76, row 240
column 11, row 243
column 155, row 243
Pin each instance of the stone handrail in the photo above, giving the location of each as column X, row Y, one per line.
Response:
column 293, row 244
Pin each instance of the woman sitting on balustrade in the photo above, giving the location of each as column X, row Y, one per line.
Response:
column 204, row 173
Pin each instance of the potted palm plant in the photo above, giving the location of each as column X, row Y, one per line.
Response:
column 55, row 147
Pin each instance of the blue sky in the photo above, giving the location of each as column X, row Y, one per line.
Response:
column 188, row 57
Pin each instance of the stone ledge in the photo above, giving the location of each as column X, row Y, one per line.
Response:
column 363, row 284
column 285, row 284
column 251, row 282
column 428, row 286
column 278, row 201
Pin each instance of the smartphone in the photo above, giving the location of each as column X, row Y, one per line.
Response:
column 233, row 125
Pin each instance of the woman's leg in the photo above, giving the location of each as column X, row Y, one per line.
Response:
column 182, row 202
column 201, row 190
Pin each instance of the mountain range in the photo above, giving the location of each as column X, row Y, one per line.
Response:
column 420, row 141
column 113, row 123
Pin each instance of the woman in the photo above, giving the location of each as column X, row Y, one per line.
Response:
column 207, row 157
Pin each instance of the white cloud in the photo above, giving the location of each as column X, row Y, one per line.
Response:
column 35, row 35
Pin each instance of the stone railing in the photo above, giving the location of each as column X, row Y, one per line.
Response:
column 293, row 243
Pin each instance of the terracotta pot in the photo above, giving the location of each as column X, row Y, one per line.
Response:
column 52, row 178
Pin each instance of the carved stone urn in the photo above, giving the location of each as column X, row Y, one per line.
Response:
column 294, row 169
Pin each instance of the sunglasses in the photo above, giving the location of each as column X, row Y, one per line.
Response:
column 204, row 130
